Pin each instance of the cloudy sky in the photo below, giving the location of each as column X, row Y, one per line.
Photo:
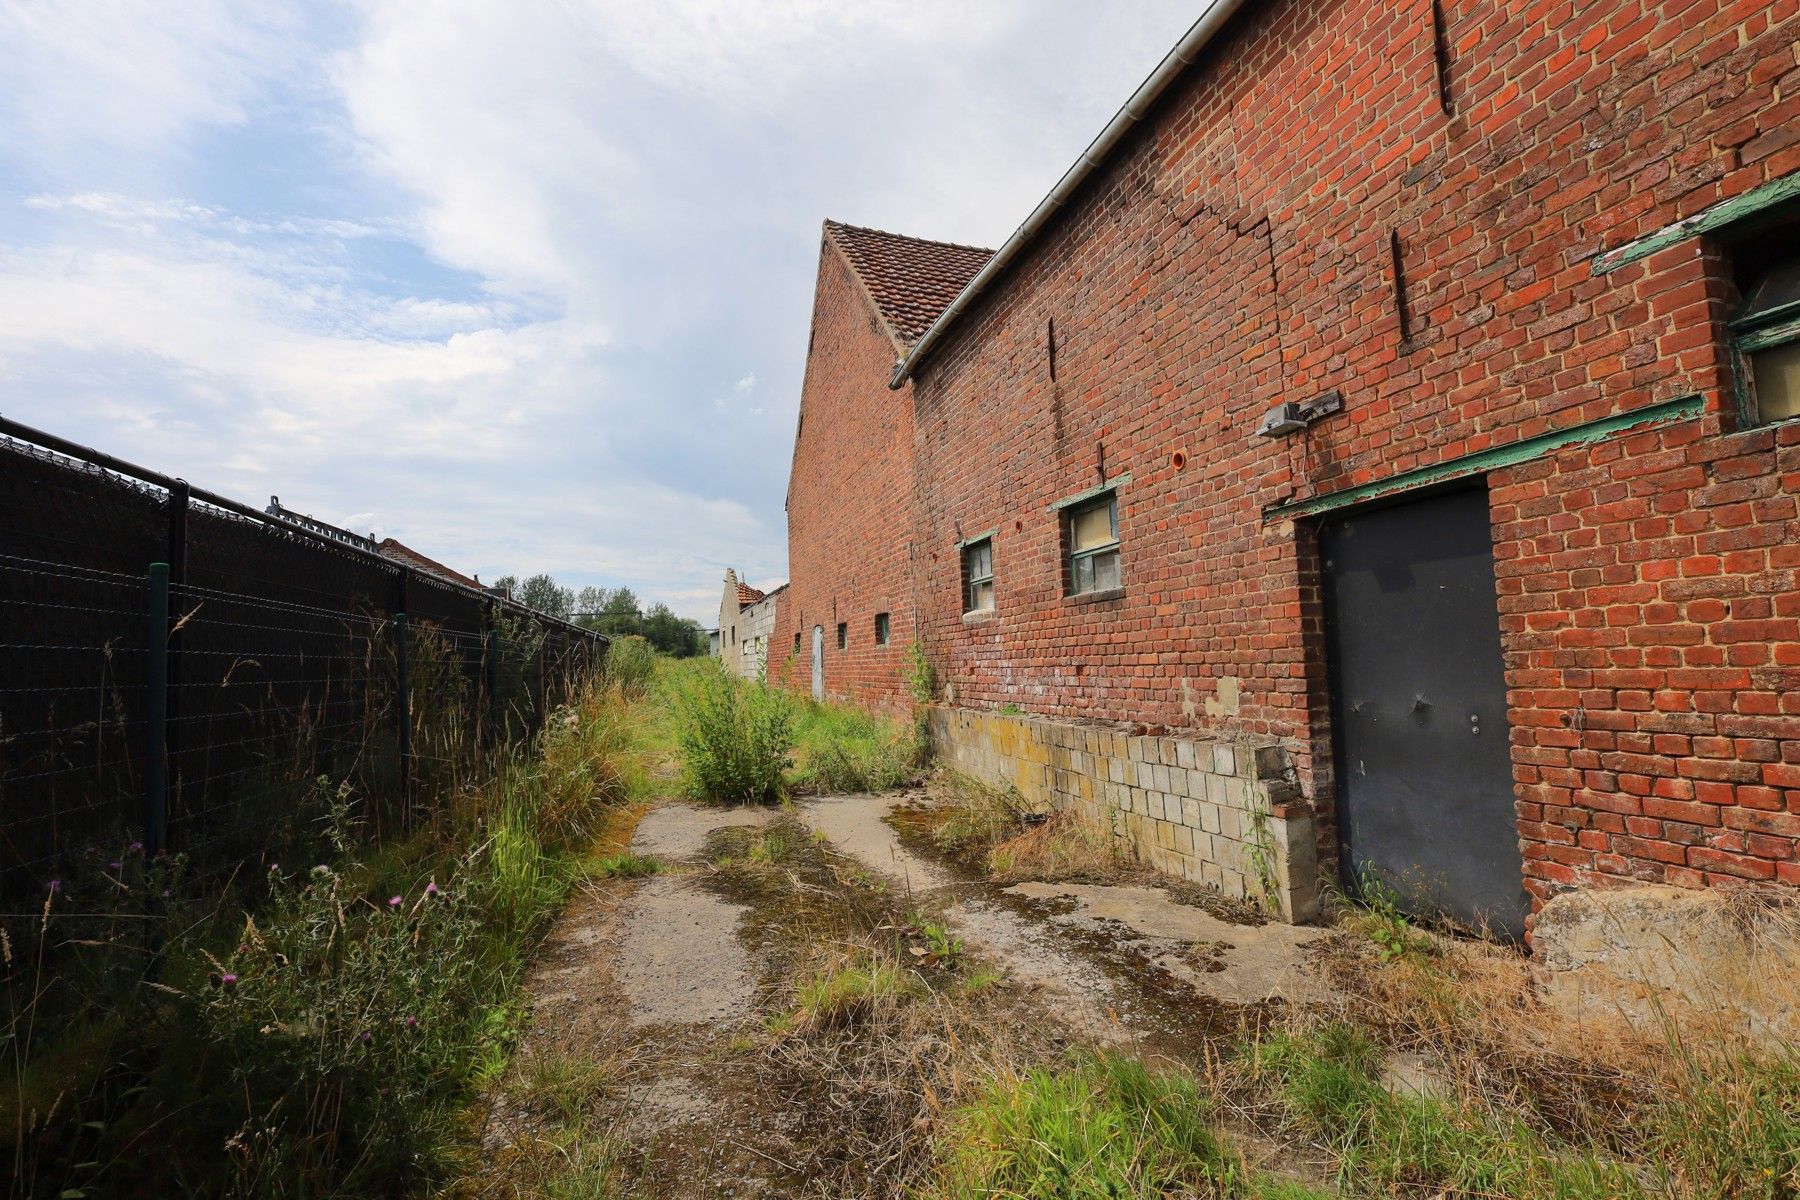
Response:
column 522, row 283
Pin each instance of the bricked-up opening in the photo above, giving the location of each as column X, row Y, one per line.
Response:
column 1766, row 324
column 978, row 576
column 1093, row 541
column 1440, row 52
column 843, row 635
column 1400, row 312
column 882, row 630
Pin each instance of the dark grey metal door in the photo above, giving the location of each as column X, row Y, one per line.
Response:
column 1418, row 698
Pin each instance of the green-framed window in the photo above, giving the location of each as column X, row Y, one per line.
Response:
column 1766, row 326
column 1091, row 532
column 978, row 575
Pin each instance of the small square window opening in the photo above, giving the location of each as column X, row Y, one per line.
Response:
column 881, row 629
column 978, row 576
column 1093, row 533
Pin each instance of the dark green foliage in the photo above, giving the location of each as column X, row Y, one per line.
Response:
column 735, row 738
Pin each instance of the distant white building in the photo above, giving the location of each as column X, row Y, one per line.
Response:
column 746, row 622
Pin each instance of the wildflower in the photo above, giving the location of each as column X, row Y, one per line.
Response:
column 136, row 847
column 412, row 1022
column 321, row 870
column 274, row 867
column 431, row 889
column 394, row 901
column 115, row 866
column 367, row 1037
column 228, row 981
column 55, row 887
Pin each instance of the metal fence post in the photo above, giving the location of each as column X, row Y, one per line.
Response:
column 179, row 495
column 403, row 703
column 156, row 766
column 491, row 674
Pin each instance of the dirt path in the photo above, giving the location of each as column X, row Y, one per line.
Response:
column 658, row 1047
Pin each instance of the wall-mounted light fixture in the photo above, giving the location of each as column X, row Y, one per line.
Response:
column 1295, row 415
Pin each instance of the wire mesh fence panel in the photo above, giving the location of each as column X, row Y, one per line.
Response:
column 289, row 666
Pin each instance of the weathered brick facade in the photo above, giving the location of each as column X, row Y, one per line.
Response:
column 1238, row 250
column 850, row 498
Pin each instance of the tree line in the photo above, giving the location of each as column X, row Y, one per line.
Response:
column 616, row 612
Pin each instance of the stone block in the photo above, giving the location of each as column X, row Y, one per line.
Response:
column 1224, row 759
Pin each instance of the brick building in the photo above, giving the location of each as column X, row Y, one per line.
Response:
column 849, row 618
column 1380, row 444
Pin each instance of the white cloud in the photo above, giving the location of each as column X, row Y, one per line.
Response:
column 130, row 77
column 534, row 294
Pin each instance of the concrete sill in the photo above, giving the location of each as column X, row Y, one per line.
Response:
column 977, row 617
column 1095, row 597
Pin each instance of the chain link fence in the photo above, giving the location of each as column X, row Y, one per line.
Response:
column 180, row 673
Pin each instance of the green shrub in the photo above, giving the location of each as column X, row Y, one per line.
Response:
column 735, row 738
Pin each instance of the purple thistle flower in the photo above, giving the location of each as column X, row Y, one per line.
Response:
column 115, row 866
column 228, row 981
column 394, row 901
column 136, row 847
column 55, row 887
column 367, row 1037
column 274, row 867
column 431, row 889
column 411, row 1022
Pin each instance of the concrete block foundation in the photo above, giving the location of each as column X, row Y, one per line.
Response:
column 1225, row 814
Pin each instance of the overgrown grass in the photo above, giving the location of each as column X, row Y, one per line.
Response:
column 1103, row 1127
column 319, row 1039
column 745, row 742
column 846, row 993
column 1328, row 1086
column 842, row 748
column 1524, row 1101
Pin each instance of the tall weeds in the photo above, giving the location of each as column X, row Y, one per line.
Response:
column 313, row 1035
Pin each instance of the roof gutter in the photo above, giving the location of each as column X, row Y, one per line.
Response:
column 1192, row 44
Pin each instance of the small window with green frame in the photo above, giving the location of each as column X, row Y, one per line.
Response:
column 1766, row 326
column 1091, row 530
column 978, row 575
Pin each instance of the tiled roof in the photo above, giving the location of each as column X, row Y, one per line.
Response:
column 911, row 279
column 747, row 595
column 400, row 552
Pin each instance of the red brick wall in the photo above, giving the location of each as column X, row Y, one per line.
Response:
column 849, row 502
column 1236, row 253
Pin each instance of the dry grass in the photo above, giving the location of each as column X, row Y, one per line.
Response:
column 1063, row 846
column 995, row 831
column 1520, row 1098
